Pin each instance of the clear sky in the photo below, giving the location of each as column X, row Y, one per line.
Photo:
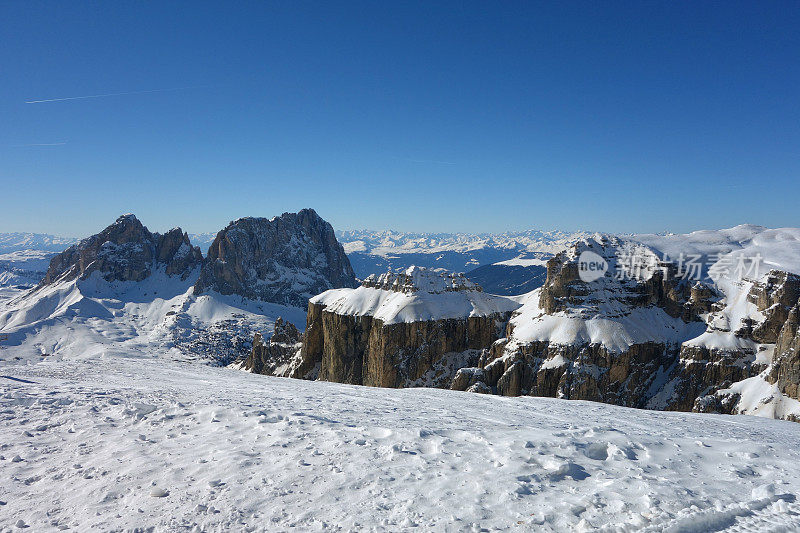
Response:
column 485, row 116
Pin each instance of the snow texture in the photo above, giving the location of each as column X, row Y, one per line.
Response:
column 414, row 294
column 126, row 443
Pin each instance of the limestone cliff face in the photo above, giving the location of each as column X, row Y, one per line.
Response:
column 285, row 260
column 126, row 251
column 375, row 349
column 650, row 339
column 786, row 364
column 576, row 372
column 775, row 296
column 702, row 370
column 365, row 351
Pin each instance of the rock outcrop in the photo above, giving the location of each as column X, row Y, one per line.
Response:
column 413, row 327
column 745, row 349
column 774, row 296
column 785, row 370
column 640, row 335
column 285, row 260
column 280, row 354
column 125, row 251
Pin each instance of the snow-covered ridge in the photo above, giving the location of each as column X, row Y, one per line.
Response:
column 414, row 279
column 611, row 326
column 128, row 287
column 779, row 247
column 612, row 311
column 413, row 295
column 23, row 267
column 605, row 314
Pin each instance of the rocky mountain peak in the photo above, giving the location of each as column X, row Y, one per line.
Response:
column 416, row 279
column 634, row 276
column 125, row 251
column 285, row 259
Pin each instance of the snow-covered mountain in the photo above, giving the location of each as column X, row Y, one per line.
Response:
column 112, row 428
column 129, row 289
column 23, row 269
column 24, row 259
column 375, row 252
column 202, row 240
column 720, row 329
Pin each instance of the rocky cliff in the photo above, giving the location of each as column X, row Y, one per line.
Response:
column 285, row 260
column 413, row 327
column 125, row 251
column 765, row 343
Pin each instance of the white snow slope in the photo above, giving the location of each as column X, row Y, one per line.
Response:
column 125, row 443
column 415, row 294
column 161, row 314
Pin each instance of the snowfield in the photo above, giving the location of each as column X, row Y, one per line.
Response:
column 415, row 294
column 127, row 442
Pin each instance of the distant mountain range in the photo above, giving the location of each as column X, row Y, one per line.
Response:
column 16, row 242
column 375, row 252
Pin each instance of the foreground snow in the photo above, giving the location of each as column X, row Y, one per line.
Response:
column 124, row 442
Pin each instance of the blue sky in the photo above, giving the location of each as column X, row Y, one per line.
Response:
column 622, row 117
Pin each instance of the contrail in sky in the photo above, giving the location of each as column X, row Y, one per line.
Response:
column 110, row 94
column 38, row 144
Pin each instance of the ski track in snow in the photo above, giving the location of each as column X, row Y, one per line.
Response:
column 116, row 443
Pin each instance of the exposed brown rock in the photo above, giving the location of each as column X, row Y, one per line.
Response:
column 702, row 371
column 362, row 350
column 775, row 297
column 786, row 363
